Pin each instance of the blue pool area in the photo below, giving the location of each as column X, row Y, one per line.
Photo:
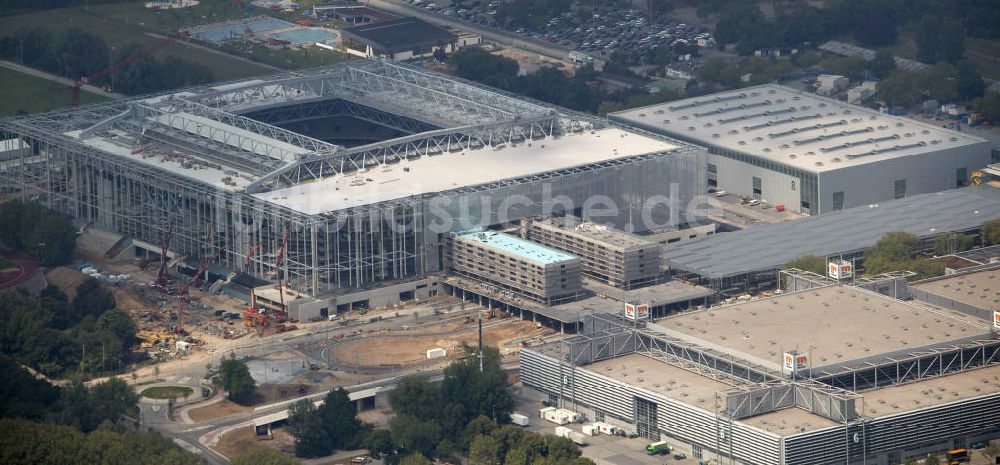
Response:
column 305, row 36
column 227, row 32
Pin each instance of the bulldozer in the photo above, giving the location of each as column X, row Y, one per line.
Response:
column 252, row 318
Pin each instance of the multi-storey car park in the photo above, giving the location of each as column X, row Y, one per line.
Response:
column 240, row 165
column 813, row 154
column 828, row 374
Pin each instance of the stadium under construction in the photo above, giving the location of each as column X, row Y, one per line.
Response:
column 356, row 172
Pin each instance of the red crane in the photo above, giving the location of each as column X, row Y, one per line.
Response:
column 78, row 81
column 161, row 274
column 250, row 254
column 194, row 281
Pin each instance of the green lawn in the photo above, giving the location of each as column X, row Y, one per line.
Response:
column 167, row 392
column 132, row 26
column 21, row 92
column 4, row 264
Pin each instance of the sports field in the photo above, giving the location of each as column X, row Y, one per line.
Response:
column 20, row 92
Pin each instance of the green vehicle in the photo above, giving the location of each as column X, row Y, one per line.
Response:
column 658, row 448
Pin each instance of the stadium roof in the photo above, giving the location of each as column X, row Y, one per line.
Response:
column 401, row 34
column 771, row 246
column 471, row 167
column 796, row 129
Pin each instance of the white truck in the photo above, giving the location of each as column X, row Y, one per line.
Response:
column 606, row 428
column 558, row 416
column 574, row 436
column 519, row 420
column 591, row 430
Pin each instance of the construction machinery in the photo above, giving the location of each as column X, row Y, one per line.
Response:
column 79, row 81
column 194, row 281
column 151, row 339
column 977, row 177
column 161, row 273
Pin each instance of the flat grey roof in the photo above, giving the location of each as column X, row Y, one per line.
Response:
column 770, row 246
column 980, row 289
column 836, row 325
column 574, row 226
column 656, row 294
column 794, row 128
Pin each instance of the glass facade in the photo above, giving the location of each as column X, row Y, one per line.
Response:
column 757, row 193
column 838, row 200
column 645, row 419
column 900, row 188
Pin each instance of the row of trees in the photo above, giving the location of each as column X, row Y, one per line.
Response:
column 37, row 231
column 941, row 26
column 894, row 252
column 58, row 336
column 76, row 53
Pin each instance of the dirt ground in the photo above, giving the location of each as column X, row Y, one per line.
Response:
column 66, row 279
column 241, row 440
column 378, row 351
column 217, row 410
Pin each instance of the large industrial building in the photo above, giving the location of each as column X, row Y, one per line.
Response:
column 748, row 260
column 217, row 166
column 813, row 154
column 827, row 374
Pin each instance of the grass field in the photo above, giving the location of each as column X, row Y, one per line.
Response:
column 167, row 392
column 4, row 264
column 21, row 92
column 117, row 33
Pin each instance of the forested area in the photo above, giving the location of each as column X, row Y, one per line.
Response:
column 465, row 415
column 76, row 53
column 59, row 337
column 8, row 7
column 77, row 424
column 37, row 231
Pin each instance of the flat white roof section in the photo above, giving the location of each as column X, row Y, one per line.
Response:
column 449, row 171
column 188, row 166
column 796, row 129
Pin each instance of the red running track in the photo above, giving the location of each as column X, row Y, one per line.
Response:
column 27, row 268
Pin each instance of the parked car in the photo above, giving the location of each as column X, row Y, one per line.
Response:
column 721, row 193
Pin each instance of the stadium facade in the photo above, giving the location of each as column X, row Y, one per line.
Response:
column 215, row 167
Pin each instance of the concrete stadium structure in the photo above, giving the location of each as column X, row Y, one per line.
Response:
column 216, row 166
column 813, row 154
column 829, row 374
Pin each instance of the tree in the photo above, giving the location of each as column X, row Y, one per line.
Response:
column 990, row 233
column 311, row 436
column 417, row 397
column 263, row 456
column 339, row 418
column 900, row 88
column 875, row 30
column 940, row 39
column 410, row 434
column 940, row 82
column 932, row 459
column 484, row 450
column 234, row 377
column 810, row 263
column 989, row 105
column 37, row 231
column 378, row 442
column 92, row 299
column 482, row 393
column 415, row 458
column 943, row 244
column 969, row 83
column 883, row 64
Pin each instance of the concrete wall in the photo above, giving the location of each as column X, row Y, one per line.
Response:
column 875, row 182
column 737, row 177
column 423, row 289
